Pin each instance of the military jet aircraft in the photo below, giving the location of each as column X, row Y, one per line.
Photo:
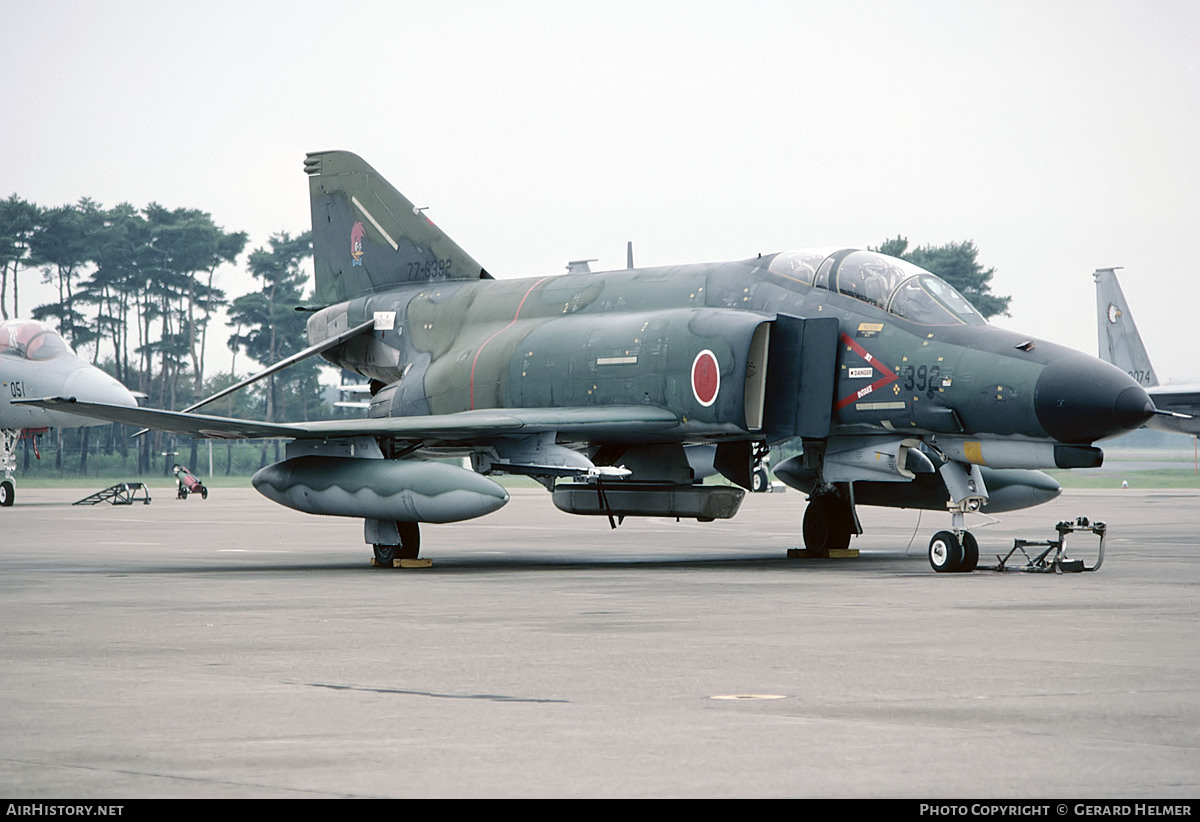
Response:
column 896, row 390
column 1121, row 345
column 35, row 361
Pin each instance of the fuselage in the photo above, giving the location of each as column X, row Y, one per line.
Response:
column 910, row 358
column 36, row 362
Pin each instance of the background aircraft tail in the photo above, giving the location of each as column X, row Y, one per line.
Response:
column 1120, row 342
column 367, row 237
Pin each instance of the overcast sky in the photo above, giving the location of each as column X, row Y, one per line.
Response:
column 1059, row 136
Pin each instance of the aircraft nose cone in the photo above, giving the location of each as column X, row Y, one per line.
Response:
column 1081, row 400
column 93, row 385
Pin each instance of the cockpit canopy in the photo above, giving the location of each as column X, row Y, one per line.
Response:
column 32, row 340
column 894, row 285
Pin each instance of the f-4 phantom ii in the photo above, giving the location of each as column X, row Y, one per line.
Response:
column 600, row 385
column 35, row 361
column 1121, row 345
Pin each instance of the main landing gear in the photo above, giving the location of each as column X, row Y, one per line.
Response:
column 8, row 463
column 409, row 547
column 828, row 523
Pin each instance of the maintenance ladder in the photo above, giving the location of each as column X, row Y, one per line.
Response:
column 124, row 493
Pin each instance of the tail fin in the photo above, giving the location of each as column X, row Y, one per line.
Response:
column 367, row 237
column 1120, row 342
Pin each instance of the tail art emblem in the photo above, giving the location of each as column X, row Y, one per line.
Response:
column 1114, row 314
column 706, row 378
column 356, row 243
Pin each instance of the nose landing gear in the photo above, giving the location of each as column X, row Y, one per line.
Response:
column 957, row 551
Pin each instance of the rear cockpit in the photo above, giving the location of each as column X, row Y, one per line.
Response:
column 891, row 284
column 32, row 340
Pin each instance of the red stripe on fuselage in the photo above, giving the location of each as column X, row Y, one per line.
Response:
column 475, row 361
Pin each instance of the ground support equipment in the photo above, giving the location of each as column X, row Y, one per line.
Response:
column 1053, row 559
column 124, row 493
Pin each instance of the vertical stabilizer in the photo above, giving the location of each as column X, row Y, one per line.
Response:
column 1120, row 342
column 367, row 236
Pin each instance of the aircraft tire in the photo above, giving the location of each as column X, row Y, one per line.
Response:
column 384, row 554
column 970, row 552
column 409, row 547
column 946, row 553
column 8, row 494
column 760, row 481
column 410, row 540
column 827, row 524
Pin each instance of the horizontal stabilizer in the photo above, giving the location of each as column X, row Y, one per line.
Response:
column 312, row 350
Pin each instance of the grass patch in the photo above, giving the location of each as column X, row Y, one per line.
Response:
column 1161, row 478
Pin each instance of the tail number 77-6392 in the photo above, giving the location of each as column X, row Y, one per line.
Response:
column 922, row 378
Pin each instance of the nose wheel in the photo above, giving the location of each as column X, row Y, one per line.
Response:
column 950, row 553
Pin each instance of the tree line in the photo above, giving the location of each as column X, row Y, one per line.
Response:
column 957, row 264
column 135, row 294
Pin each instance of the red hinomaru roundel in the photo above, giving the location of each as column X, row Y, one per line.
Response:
column 706, row 378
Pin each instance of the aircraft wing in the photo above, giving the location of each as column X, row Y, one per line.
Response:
column 1181, row 403
column 482, row 425
column 1175, row 394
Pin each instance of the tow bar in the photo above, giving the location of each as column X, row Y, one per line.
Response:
column 1054, row 559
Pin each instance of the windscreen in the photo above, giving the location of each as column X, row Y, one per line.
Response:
column 31, row 340
column 891, row 284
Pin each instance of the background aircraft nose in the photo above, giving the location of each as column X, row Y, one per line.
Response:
column 90, row 384
column 1081, row 399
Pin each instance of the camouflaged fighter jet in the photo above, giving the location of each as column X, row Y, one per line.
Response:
column 1121, row 345
column 35, row 361
column 600, row 385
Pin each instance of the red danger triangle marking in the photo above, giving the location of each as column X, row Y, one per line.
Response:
column 889, row 375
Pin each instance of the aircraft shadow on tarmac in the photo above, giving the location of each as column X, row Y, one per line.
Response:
column 444, row 565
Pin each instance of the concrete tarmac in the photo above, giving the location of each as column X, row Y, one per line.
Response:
column 229, row 647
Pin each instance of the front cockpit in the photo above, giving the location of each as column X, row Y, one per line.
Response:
column 891, row 284
column 32, row 340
